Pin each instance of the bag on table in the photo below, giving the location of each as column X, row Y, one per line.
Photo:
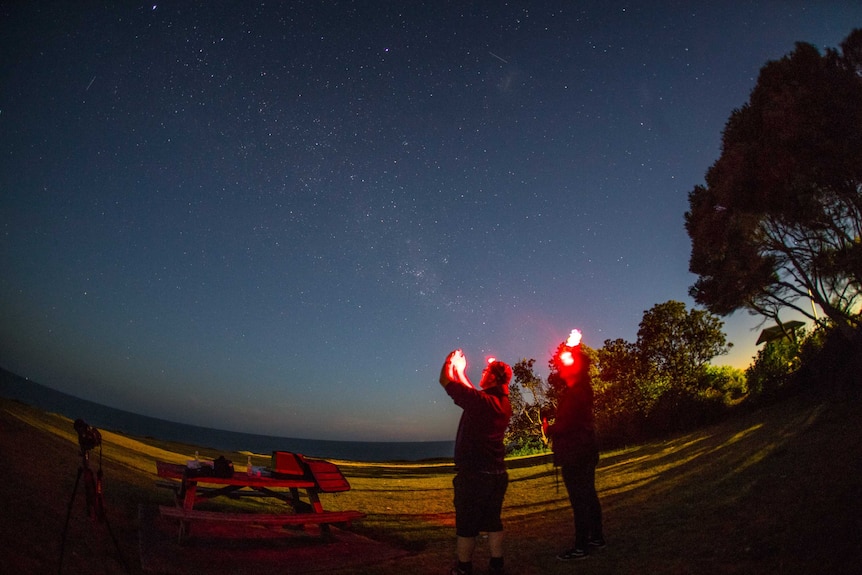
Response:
column 222, row 467
column 202, row 471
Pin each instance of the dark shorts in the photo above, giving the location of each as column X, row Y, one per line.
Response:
column 479, row 502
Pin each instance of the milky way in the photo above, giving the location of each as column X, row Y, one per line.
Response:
column 281, row 218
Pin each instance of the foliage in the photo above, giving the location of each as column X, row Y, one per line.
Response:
column 780, row 218
column 682, row 409
column 621, row 403
column 778, row 225
column 660, row 383
column 523, row 450
column 830, row 363
column 641, row 388
column 676, row 345
column 525, row 427
column 730, row 382
column 773, row 365
column 825, row 361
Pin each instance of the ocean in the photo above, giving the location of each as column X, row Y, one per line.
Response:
column 107, row 418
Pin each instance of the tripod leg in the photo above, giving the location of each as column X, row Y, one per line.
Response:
column 99, row 502
column 96, row 508
column 91, row 494
column 116, row 543
column 68, row 515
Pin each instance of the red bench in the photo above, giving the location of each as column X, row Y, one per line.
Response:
column 324, row 519
column 314, row 476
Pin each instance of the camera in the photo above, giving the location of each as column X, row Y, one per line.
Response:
column 88, row 437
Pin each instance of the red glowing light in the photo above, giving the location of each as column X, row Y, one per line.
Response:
column 567, row 358
column 491, row 360
column 458, row 364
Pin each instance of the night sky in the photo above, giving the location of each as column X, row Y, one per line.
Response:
column 279, row 218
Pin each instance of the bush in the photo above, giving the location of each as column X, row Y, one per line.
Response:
column 775, row 362
column 527, row 448
column 681, row 409
column 729, row 382
column 830, row 362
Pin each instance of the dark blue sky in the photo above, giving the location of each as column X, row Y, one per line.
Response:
column 280, row 218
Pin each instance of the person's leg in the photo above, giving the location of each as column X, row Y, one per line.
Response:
column 494, row 525
column 495, row 549
column 495, row 543
column 576, row 479
column 464, row 548
column 466, row 521
column 596, row 531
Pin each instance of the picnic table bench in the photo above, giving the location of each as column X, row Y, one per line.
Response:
column 317, row 476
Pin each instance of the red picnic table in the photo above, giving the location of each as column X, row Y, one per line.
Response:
column 319, row 477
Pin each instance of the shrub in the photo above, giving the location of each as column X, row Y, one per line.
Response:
column 773, row 365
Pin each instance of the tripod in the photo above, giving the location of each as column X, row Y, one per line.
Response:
column 95, row 502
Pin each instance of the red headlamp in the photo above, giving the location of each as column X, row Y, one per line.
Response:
column 567, row 358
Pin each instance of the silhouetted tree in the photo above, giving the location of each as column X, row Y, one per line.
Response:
column 620, row 400
column 780, row 218
column 675, row 345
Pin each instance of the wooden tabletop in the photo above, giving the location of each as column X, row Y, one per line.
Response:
column 239, row 478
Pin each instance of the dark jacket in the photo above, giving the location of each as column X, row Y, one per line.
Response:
column 479, row 444
column 573, row 434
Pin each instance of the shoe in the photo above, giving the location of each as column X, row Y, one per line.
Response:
column 572, row 554
column 597, row 543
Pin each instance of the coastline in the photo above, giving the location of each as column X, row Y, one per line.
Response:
column 13, row 386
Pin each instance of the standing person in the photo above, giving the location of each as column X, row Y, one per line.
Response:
column 573, row 439
column 481, row 478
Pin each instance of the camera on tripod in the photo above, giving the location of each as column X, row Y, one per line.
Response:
column 88, row 437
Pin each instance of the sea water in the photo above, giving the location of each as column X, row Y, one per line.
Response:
column 110, row 419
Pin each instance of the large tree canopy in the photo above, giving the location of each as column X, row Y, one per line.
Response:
column 677, row 344
column 780, row 218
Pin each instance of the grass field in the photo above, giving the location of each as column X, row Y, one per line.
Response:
column 773, row 491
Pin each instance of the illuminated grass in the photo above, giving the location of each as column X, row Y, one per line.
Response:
column 749, row 496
